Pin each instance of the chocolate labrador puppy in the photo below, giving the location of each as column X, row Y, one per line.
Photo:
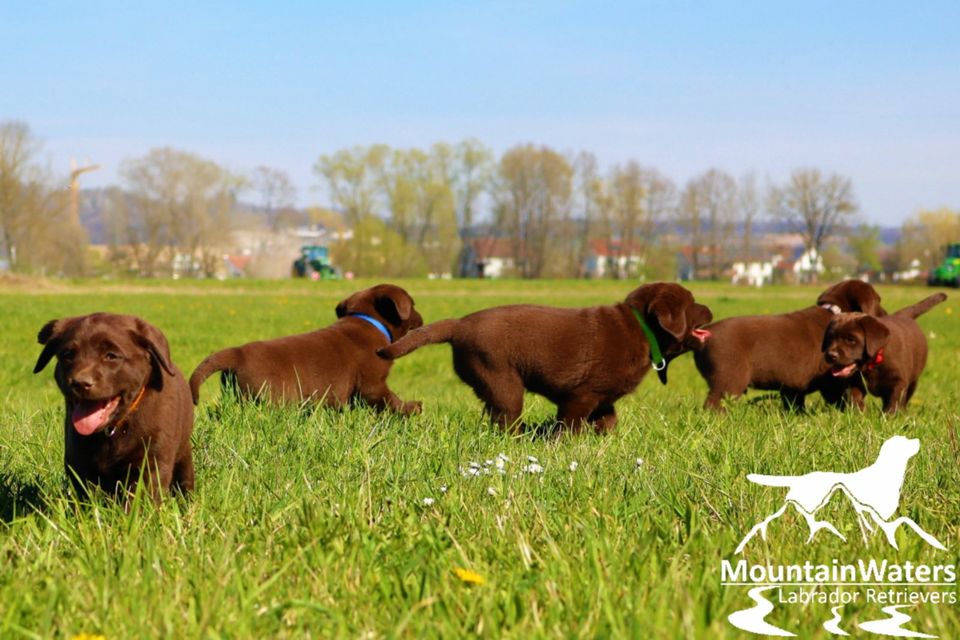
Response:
column 890, row 352
column 128, row 409
column 583, row 360
column 334, row 366
column 782, row 352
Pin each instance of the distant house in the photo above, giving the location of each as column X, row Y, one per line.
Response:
column 804, row 265
column 606, row 257
column 755, row 273
column 486, row 257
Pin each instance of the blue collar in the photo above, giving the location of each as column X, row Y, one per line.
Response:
column 382, row 328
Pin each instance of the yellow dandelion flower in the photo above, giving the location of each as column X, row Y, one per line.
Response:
column 949, row 310
column 469, row 576
column 88, row 636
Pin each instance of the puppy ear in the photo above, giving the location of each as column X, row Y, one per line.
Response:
column 154, row 342
column 670, row 316
column 51, row 336
column 701, row 315
column 866, row 300
column 394, row 307
column 875, row 335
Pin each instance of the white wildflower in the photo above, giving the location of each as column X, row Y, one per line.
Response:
column 574, row 465
column 428, row 502
column 491, row 491
column 533, row 467
column 532, row 459
column 443, row 488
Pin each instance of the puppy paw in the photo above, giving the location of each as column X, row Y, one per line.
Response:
column 412, row 408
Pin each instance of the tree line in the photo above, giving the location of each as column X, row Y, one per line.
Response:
column 410, row 211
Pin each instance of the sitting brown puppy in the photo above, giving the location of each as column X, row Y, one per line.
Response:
column 781, row 352
column 890, row 352
column 335, row 365
column 583, row 360
column 128, row 408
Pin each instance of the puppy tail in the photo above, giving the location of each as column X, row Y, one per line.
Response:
column 219, row 361
column 771, row 481
column 917, row 310
column 435, row 333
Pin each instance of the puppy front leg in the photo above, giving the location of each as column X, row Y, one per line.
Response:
column 381, row 397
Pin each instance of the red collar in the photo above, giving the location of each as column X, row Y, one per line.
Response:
column 877, row 361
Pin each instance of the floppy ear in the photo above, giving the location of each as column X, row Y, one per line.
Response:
column 875, row 335
column 701, row 315
column 51, row 336
column 394, row 307
column 673, row 320
column 154, row 342
column 341, row 309
column 866, row 300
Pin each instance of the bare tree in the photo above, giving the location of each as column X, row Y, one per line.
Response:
column 749, row 206
column 276, row 192
column 351, row 176
column 36, row 231
column 813, row 205
column 181, row 205
column 534, row 190
column 707, row 210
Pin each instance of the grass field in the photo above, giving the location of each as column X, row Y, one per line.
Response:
column 316, row 525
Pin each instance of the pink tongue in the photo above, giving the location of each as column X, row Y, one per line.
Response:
column 88, row 416
column 846, row 371
column 701, row 334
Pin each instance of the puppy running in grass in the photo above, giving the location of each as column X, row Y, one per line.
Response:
column 335, row 365
column 583, row 360
column 890, row 352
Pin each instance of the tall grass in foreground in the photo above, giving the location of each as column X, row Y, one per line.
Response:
column 354, row 523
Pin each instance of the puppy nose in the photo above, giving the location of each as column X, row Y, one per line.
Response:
column 81, row 383
column 831, row 357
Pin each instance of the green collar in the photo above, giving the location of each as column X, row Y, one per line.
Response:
column 656, row 358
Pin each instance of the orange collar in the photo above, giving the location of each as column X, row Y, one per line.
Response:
column 133, row 408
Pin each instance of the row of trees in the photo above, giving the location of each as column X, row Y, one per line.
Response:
column 409, row 211
column 550, row 206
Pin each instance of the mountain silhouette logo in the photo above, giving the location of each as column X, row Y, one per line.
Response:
column 874, row 492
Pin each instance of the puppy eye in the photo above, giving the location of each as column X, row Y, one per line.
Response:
column 66, row 355
column 110, row 355
column 850, row 340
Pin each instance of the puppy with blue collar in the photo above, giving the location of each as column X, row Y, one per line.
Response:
column 335, row 366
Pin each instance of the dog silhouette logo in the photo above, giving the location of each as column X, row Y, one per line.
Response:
column 874, row 492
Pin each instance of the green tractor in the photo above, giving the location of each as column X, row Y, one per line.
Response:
column 314, row 263
column 947, row 274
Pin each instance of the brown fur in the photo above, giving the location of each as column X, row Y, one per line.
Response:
column 103, row 356
column 336, row 365
column 583, row 360
column 781, row 352
column 853, row 340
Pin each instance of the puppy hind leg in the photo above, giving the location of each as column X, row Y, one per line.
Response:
column 183, row 473
column 603, row 419
column 575, row 412
column 503, row 402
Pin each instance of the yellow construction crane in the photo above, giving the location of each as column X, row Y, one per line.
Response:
column 75, row 173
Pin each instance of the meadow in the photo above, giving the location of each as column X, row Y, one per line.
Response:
column 357, row 524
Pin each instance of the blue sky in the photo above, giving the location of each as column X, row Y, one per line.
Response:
column 867, row 89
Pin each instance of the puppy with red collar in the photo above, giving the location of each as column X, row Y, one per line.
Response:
column 890, row 352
